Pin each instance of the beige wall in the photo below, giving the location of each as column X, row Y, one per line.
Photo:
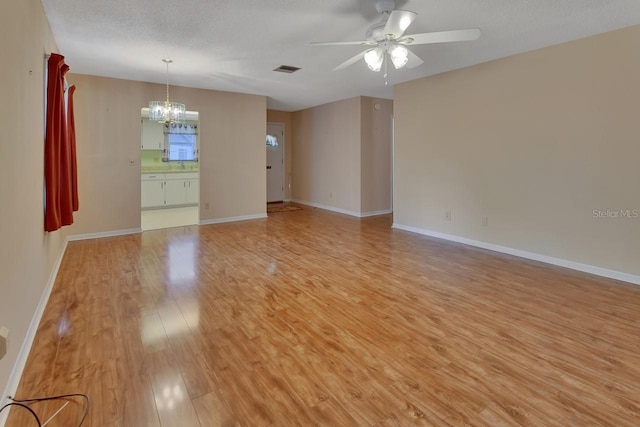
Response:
column 27, row 253
column 535, row 142
column 326, row 155
column 375, row 155
column 232, row 155
column 286, row 118
column 342, row 155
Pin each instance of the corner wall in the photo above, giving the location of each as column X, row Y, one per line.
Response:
column 342, row 156
column 542, row 144
column 27, row 254
column 326, row 155
column 375, row 155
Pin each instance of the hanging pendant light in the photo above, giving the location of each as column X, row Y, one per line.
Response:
column 167, row 111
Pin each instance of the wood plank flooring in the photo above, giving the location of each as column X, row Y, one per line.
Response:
column 314, row 318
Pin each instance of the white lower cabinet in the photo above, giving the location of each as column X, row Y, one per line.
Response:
column 152, row 189
column 193, row 191
column 175, row 192
column 170, row 189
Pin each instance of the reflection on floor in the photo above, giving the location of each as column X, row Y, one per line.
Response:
column 166, row 218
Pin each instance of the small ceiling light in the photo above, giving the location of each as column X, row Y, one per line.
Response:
column 374, row 59
column 167, row 111
column 399, row 56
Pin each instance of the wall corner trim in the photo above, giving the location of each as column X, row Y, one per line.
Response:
column 114, row 233
column 598, row 271
column 342, row 211
column 376, row 213
column 233, row 219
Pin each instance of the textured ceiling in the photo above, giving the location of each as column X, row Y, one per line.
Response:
column 233, row 45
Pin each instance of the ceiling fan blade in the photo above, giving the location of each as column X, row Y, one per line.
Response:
column 350, row 61
column 441, row 37
column 414, row 60
column 361, row 42
column 398, row 22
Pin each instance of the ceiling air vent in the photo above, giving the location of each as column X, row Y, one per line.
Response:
column 286, row 69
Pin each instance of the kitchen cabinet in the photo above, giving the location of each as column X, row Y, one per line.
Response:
column 152, row 189
column 175, row 191
column 152, row 135
column 193, row 191
column 170, row 189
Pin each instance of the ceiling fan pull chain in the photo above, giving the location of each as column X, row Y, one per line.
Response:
column 386, row 74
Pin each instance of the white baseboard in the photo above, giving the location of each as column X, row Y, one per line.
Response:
column 25, row 349
column 114, row 233
column 232, row 219
column 340, row 210
column 375, row 213
column 327, row 207
column 598, row 271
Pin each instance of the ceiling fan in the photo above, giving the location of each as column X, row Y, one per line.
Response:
column 387, row 38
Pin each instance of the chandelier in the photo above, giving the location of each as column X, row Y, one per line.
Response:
column 167, row 111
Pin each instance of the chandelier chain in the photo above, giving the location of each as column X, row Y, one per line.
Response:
column 167, row 111
column 167, row 61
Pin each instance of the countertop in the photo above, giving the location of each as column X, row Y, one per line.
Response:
column 166, row 170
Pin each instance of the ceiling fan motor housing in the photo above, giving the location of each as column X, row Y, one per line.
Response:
column 374, row 32
column 385, row 6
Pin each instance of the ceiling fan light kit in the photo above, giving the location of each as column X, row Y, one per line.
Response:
column 374, row 59
column 387, row 38
column 399, row 55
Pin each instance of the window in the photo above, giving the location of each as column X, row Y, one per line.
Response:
column 182, row 147
column 272, row 141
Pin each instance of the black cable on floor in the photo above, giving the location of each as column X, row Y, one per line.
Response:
column 21, row 402
column 22, row 406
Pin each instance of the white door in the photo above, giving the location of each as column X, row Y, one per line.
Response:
column 275, row 162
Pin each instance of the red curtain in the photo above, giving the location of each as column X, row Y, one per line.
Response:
column 71, row 138
column 59, row 151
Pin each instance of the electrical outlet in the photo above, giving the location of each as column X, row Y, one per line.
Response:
column 206, row 206
column 447, row 215
column 485, row 221
column 4, row 337
column 330, row 194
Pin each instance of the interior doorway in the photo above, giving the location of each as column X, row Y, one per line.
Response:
column 170, row 172
column 275, row 162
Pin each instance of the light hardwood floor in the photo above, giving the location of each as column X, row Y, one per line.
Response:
column 314, row 318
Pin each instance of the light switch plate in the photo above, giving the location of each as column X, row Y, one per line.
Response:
column 4, row 337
